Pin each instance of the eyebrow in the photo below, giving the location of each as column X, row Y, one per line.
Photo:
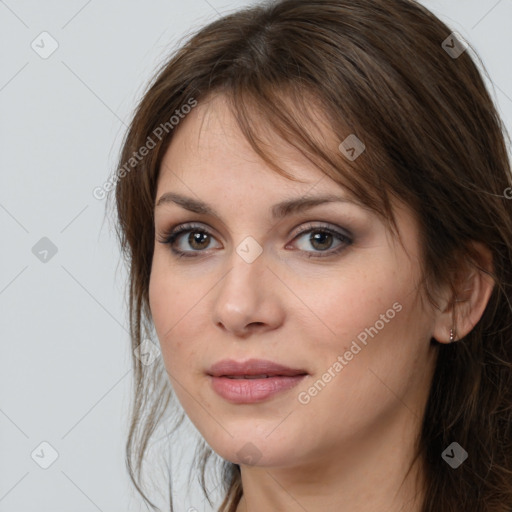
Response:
column 278, row 211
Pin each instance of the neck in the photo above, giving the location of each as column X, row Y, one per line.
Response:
column 369, row 473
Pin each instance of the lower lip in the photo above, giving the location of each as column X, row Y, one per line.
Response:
column 248, row 391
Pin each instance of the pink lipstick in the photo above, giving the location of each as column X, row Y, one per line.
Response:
column 252, row 381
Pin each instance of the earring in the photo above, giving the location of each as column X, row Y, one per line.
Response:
column 452, row 335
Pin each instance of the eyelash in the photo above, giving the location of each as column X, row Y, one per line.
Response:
column 170, row 236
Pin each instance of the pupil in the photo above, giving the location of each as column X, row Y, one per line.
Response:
column 319, row 235
column 196, row 238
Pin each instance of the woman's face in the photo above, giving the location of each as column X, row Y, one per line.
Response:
column 338, row 303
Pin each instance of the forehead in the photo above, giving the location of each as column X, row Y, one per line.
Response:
column 209, row 148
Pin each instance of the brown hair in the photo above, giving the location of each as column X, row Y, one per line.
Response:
column 376, row 69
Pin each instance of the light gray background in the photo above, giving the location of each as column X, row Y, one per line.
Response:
column 65, row 373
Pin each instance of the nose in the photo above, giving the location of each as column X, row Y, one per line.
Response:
column 248, row 298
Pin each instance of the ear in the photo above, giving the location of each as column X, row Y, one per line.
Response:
column 464, row 308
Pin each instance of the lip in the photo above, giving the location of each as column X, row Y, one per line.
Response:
column 232, row 368
column 241, row 390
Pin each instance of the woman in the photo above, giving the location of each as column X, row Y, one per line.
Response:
column 312, row 196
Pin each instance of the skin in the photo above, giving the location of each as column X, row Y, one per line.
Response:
column 349, row 447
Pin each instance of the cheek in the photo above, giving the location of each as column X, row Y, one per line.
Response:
column 167, row 303
column 382, row 356
column 160, row 303
column 373, row 317
column 340, row 308
column 175, row 304
column 169, row 293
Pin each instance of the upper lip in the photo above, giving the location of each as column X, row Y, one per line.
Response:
column 230, row 367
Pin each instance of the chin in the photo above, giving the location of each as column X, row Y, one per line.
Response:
column 248, row 447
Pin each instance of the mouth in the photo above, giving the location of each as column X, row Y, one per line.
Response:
column 252, row 369
column 254, row 376
column 252, row 381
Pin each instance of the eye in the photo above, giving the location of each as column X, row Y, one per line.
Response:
column 198, row 238
column 321, row 238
